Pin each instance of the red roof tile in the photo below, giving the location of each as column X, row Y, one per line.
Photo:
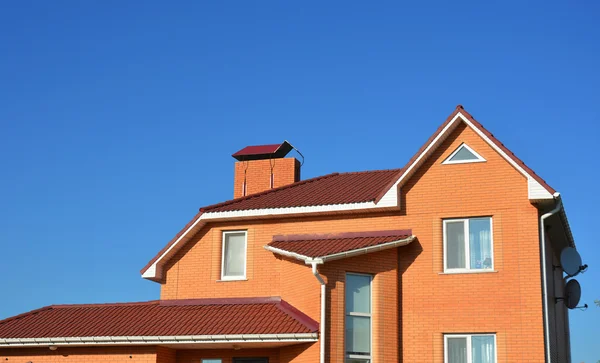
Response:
column 320, row 245
column 161, row 318
column 329, row 189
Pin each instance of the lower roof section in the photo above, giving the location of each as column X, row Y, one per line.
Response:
column 320, row 248
column 161, row 322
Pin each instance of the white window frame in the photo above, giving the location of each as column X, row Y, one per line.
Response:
column 233, row 278
column 467, row 246
column 370, row 316
column 469, row 345
column 479, row 159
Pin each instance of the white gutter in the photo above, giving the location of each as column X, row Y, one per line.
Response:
column 557, row 208
column 322, row 322
column 336, row 256
column 158, row 340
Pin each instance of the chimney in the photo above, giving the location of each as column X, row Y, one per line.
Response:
column 264, row 167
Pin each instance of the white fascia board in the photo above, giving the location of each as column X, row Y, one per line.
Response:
column 389, row 200
column 338, row 256
column 285, row 253
column 293, row 210
column 535, row 190
column 154, row 340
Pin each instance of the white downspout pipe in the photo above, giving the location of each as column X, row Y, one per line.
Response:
column 322, row 323
column 544, row 278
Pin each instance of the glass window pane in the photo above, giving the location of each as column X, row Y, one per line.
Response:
column 463, row 154
column 212, row 361
column 353, row 360
column 483, row 349
column 358, row 335
column 457, row 350
column 455, row 245
column 235, row 254
column 358, row 294
column 480, row 243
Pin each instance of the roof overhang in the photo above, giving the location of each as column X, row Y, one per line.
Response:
column 178, row 340
column 153, row 270
column 539, row 192
column 337, row 256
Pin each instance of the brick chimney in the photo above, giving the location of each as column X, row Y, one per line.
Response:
column 264, row 167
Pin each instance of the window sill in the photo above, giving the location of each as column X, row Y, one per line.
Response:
column 467, row 272
column 232, row 280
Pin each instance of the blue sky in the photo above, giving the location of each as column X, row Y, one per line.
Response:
column 118, row 119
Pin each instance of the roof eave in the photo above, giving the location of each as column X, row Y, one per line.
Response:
column 341, row 255
column 153, row 270
column 157, row 340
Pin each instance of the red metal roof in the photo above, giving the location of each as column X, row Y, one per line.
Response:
column 320, row 245
column 161, row 318
column 342, row 188
column 329, row 189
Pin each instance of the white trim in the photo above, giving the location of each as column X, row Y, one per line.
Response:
column 234, row 278
column 467, row 268
column 155, row 270
column 337, row 256
column 469, row 344
column 540, row 193
column 159, row 340
column 480, row 271
column 370, row 316
column 295, row 210
column 478, row 158
column 535, row 190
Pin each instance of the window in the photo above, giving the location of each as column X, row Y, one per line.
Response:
column 212, row 360
column 233, row 266
column 470, row 348
column 463, row 154
column 358, row 318
column 468, row 244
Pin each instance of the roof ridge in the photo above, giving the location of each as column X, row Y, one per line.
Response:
column 247, row 197
column 370, row 171
column 133, row 303
column 221, row 301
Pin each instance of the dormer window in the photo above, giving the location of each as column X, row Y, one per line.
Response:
column 233, row 266
column 463, row 154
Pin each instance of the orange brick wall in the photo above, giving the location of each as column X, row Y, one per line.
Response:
column 415, row 302
column 258, row 174
column 80, row 355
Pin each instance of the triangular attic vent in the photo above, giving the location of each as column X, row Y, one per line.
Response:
column 463, row 154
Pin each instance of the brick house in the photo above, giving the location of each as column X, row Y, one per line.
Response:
column 439, row 261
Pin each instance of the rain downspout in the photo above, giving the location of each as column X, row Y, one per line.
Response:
column 322, row 323
column 544, row 276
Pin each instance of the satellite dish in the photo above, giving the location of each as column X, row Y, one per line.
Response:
column 570, row 261
column 572, row 294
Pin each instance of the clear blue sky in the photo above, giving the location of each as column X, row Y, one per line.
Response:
column 118, row 118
